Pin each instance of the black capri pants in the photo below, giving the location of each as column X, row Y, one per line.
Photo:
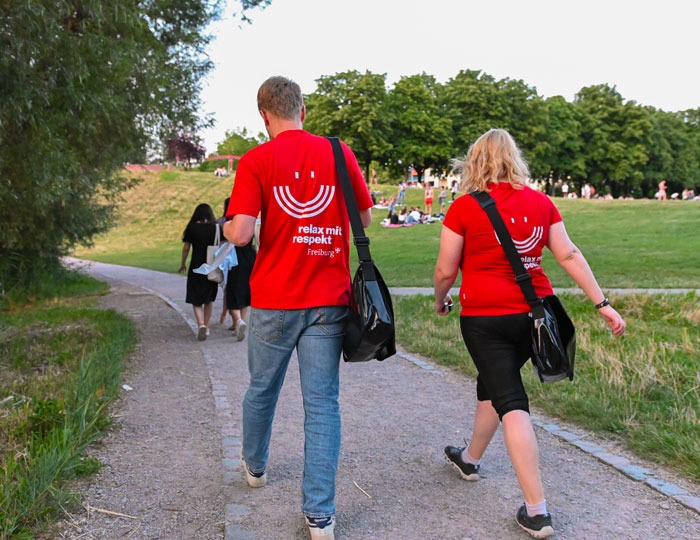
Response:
column 499, row 346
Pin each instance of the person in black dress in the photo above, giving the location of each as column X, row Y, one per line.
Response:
column 201, row 292
column 237, row 298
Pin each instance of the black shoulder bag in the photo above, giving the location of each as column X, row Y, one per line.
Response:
column 553, row 333
column 370, row 330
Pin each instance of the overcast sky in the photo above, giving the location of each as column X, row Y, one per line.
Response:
column 648, row 49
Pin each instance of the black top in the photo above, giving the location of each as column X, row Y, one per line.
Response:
column 200, row 235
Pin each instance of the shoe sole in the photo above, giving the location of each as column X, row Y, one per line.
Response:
column 253, row 481
column 544, row 532
column 321, row 534
column 468, row 477
column 202, row 333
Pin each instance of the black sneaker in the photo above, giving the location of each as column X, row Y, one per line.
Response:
column 539, row 526
column 467, row 471
column 321, row 528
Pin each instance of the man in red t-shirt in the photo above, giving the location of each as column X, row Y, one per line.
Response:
column 300, row 288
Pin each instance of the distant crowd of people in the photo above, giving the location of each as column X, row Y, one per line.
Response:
column 588, row 191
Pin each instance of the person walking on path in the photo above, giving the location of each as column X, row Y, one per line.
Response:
column 201, row 292
column 237, row 292
column 495, row 316
column 300, row 289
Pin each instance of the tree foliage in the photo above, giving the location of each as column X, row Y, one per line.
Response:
column 420, row 132
column 238, row 142
column 350, row 105
column 185, row 147
column 84, row 87
column 600, row 138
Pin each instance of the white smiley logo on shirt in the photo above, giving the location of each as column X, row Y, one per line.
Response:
column 523, row 246
column 308, row 209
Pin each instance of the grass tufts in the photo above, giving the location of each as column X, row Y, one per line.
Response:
column 644, row 387
column 60, row 370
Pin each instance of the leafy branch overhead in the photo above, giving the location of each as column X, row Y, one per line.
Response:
column 86, row 86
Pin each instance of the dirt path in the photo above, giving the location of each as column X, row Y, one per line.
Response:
column 172, row 459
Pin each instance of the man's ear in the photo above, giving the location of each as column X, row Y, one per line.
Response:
column 303, row 112
column 265, row 118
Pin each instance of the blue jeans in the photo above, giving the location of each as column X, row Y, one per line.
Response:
column 399, row 198
column 317, row 334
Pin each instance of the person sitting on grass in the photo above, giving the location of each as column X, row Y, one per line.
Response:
column 414, row 216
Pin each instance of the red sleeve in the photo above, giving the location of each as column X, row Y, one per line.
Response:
column 364, row 200
column 455, row 220
column 553, row 212
column 246, row 197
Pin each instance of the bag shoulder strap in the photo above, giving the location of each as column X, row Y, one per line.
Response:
column 522, row 277
column 217, row 237
column 360, row 240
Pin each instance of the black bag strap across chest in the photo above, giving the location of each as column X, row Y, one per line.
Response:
column 522, row 277
column 360, row 240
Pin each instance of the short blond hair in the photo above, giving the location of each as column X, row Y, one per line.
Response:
column 493, row 158
column 280, row 96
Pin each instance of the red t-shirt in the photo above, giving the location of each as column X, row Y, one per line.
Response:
column 305, row 233
column 488, row 281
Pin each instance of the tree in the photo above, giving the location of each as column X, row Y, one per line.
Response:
column 185, row 147
column 470, row 101
column 85, row 86
column 524, row 114
column 420, row 132
column 350, row 105
column 563, row 151
column 615, row 136
column 238, row 142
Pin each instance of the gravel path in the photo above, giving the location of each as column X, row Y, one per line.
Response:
column 172, row 459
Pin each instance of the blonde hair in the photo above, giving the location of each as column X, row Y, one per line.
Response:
column 493, row 158
column 280, row 96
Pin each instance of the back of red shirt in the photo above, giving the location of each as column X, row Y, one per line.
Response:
column 488, row 281
column 304, row 238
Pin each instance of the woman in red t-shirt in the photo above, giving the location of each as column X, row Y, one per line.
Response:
column 429, row 198
column 495, row 317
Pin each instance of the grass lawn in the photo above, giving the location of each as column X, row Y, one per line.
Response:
column 60, row 362
column 644, row 387
column 627, row 243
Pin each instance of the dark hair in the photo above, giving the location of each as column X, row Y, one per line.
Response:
column 202, row 213
column 228, row 199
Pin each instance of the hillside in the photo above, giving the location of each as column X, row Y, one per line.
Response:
column 628, row 243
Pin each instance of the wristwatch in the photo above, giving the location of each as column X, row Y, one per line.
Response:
column 604, row 303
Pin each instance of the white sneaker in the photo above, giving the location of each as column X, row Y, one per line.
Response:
column 255, row 480
column 321, row 528
column 240, row 330
column 202, row 333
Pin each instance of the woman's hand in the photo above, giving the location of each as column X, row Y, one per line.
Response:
column 441, row 307
column 182, row 268
column 614, row 320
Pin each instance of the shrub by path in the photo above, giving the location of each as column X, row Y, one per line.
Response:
column 397, row 416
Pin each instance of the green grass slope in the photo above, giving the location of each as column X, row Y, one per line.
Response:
column 627, row 243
